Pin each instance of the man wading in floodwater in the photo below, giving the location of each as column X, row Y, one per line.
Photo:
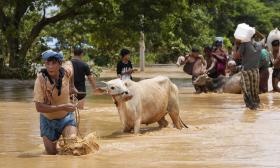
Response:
column 195, row 65
column 52, row 101
column 81, row 69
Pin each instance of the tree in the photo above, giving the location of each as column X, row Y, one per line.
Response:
column 228, row 14
column 21, row 22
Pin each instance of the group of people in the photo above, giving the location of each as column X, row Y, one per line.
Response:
column 252, row 59
column 54, row 86
column 56, row 82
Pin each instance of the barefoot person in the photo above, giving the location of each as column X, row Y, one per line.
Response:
column 81, row 69
column 52, row 101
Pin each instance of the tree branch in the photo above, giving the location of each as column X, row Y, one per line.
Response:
column 3, row 20
column 20, row 10
column 69, row 12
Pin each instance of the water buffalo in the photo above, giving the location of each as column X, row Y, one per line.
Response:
column 145, row 102
column 221, row 84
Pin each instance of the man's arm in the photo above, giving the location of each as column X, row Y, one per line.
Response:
column 92, row 82
column 119, row 70
column 212, row 65
column 186, row 59
column 203, row 60
column 45, row 108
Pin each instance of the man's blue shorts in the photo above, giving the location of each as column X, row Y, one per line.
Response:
column 52, row 129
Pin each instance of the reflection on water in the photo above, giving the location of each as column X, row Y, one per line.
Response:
column 222, row 133
column 22, row 90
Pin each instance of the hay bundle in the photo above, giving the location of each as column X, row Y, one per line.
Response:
column 78, row 146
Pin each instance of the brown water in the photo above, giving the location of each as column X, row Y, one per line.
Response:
column 222, row 134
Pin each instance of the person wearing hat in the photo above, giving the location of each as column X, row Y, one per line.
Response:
column 52, row 100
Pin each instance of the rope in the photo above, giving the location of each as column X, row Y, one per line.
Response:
column 85, row 144
column 75, row 101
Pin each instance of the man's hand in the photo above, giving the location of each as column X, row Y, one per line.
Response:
column 99, row 91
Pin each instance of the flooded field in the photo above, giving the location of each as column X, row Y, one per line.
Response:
column 222, row 133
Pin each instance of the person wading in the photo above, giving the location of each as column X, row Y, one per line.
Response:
column 81, row 69
column 52, row 101
column 221, row 59
column 250, row 74
column 195, row 65
column 276, row 65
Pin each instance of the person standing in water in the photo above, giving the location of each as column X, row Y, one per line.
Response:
column 124, row 66
column 195, row 65
column 264, row 64
column 276, row 64
column 52, row 101
column 221, row 58
column 250, row 74
column 81, row 69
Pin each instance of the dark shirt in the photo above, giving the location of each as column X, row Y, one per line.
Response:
column 81, row 70
column 122, row 68
column 249, row 55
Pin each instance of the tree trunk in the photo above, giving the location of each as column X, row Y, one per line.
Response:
column 13, row 46
column 1, row 62
column 142, row 51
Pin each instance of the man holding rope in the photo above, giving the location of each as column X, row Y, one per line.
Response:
column 81, row 69
column 51, row 96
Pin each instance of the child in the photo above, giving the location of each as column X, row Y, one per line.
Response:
column 124, row 67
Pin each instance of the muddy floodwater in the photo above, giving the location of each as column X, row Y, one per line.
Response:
column 222, row 133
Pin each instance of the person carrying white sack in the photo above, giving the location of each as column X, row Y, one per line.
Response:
column 250, row 66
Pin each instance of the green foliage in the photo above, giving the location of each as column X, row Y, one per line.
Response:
column 96, row 70
column 227, row 43
column 171, row 27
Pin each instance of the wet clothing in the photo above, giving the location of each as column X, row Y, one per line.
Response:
column 122, row 68
column 212, row 73
column 250, row 77
column 264, row 76
column 221, row 63
column 264, row 64
column 52, row 129
column 250, row 87
column 81, row 69
column 249, row 55
column 264, row 61
column 188, row 67
column 276, row 73
column 47, row 92
column 276, row 67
